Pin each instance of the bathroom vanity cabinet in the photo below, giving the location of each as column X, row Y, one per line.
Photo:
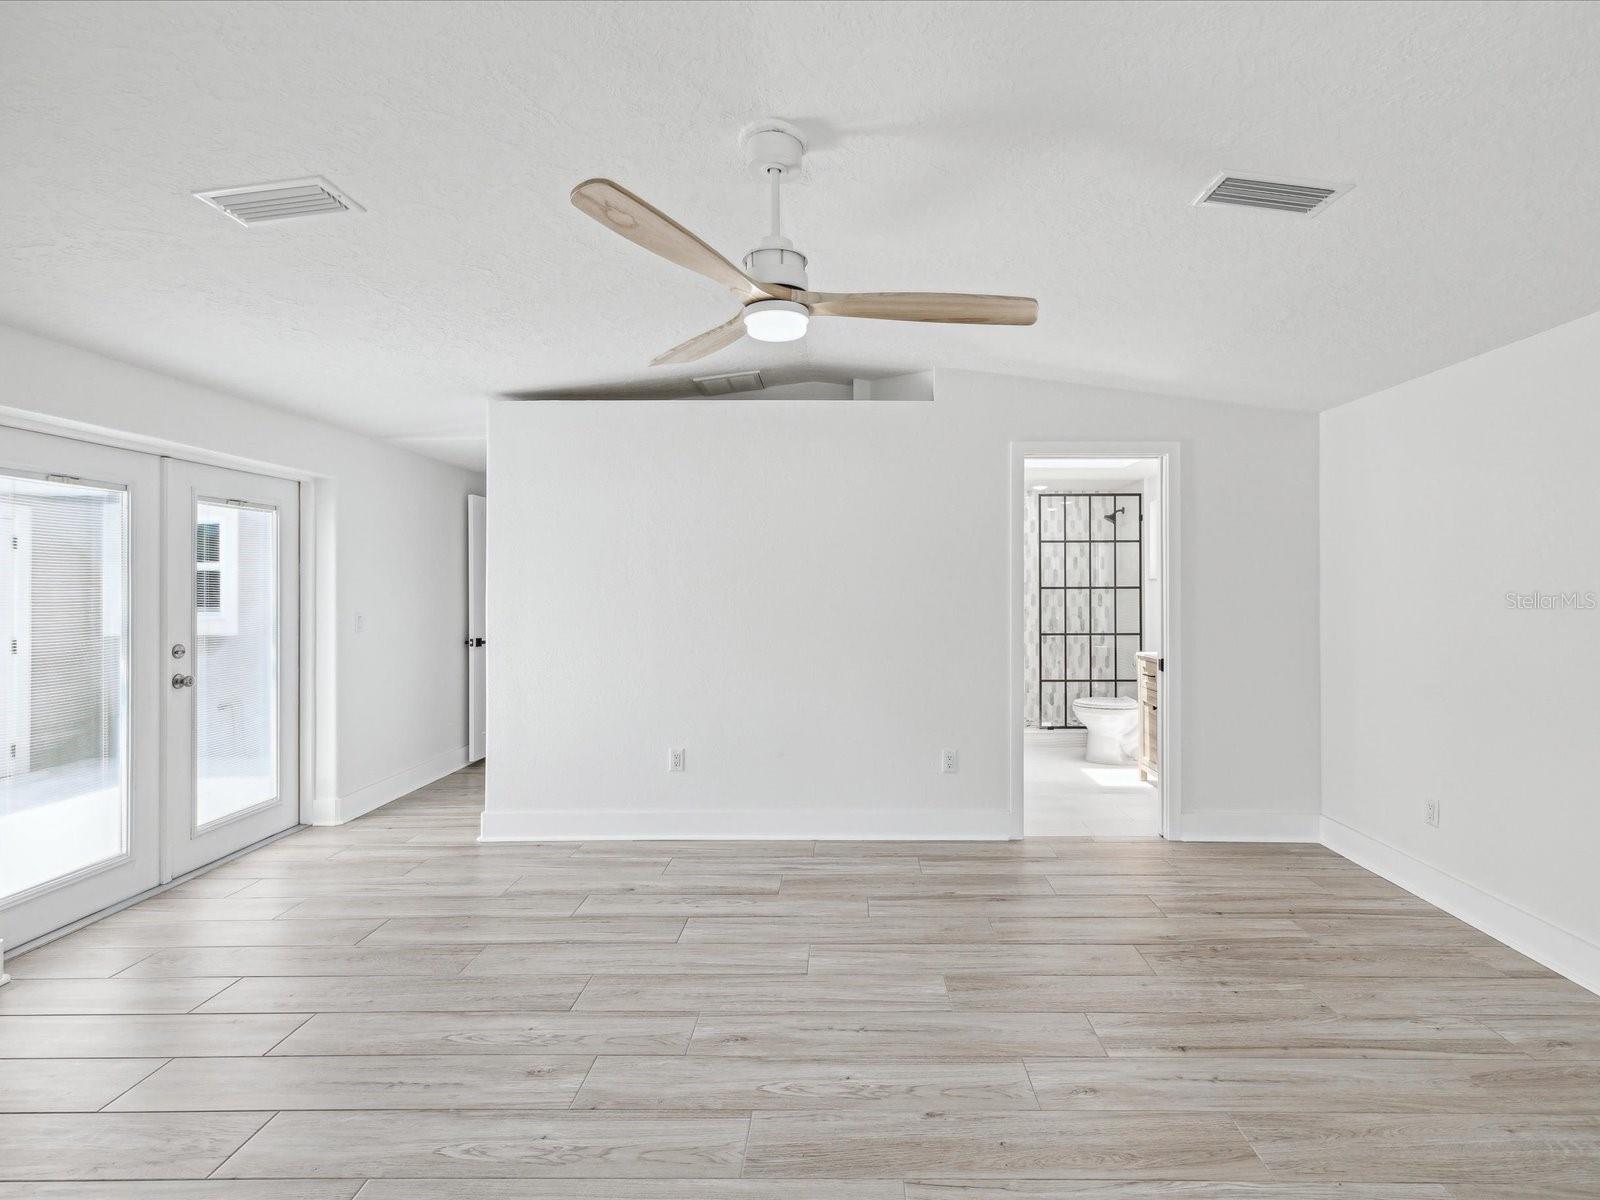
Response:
column 1149, row 704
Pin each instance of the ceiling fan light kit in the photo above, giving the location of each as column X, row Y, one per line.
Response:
column 773, row 288
column 776, row 320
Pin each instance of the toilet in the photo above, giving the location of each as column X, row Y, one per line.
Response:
column 1113, row 726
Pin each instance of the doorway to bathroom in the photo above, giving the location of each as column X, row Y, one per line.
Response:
column 1090, row 613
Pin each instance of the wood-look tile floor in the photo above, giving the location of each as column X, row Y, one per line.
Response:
column 392, row 1010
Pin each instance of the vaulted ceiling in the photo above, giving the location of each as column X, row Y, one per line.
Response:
column 1042, row 149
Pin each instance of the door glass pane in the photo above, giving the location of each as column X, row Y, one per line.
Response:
column 63, row 679
column 235, row 659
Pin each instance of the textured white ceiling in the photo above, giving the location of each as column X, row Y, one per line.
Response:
column 1046, row 149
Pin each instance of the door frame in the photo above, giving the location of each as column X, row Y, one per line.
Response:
column 1169, row 713
column 477, row 658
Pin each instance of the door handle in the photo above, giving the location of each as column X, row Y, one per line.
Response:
column 182, row 681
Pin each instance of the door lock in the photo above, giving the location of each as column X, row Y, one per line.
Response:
column 182, row 681
column 179, row 650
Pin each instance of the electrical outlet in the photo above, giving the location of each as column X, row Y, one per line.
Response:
column 675, row 759
column 1430, row 811
column 949, row 762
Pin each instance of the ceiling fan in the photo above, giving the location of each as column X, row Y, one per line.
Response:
column 777, row 304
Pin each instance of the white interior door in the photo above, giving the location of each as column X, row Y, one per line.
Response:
column 80, row 595
column 476, row 638
column 230, row 661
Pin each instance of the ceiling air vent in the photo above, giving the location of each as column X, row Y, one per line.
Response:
column 726, row 385
column 266, row 202
column 1302, row 196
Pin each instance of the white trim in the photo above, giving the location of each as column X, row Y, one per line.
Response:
column 1562, row 951
column 1169, row 736
column 4, row 978
column 375, row 795
column 119, row 439
column 1236, row 825
column 828, row 824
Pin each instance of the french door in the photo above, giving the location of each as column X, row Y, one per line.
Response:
column 122, row 763
column 231, row 766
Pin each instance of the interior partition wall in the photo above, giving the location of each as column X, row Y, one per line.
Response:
column 1090, row 571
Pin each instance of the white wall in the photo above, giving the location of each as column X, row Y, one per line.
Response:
column 1439, row 497
column 813, row 599
column 390, row 543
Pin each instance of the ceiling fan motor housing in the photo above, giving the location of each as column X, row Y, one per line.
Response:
column 776, row 260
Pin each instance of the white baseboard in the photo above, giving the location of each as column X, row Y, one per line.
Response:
column 376, row 795
column 813, row 824
column 1238, row 826
column 1564, row 953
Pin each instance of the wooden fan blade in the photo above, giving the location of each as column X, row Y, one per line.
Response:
column 645, row 225
column 954, row 308
column 703, row 344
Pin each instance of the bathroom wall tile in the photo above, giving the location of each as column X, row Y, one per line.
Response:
column 1053, row 710
column 1077, row 614
column 1074, row 692
column 1103, row 657
column 1103, row 610
column 1052, row 611
column 1050, row 564
column 1101, row 507
column 1102, row 564
column 1076, row 514
column 1077, row 658
column 1053, row 657
column 1077, row 564
column 1050, row 517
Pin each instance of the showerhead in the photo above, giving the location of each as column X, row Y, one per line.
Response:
column 1114, row 514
